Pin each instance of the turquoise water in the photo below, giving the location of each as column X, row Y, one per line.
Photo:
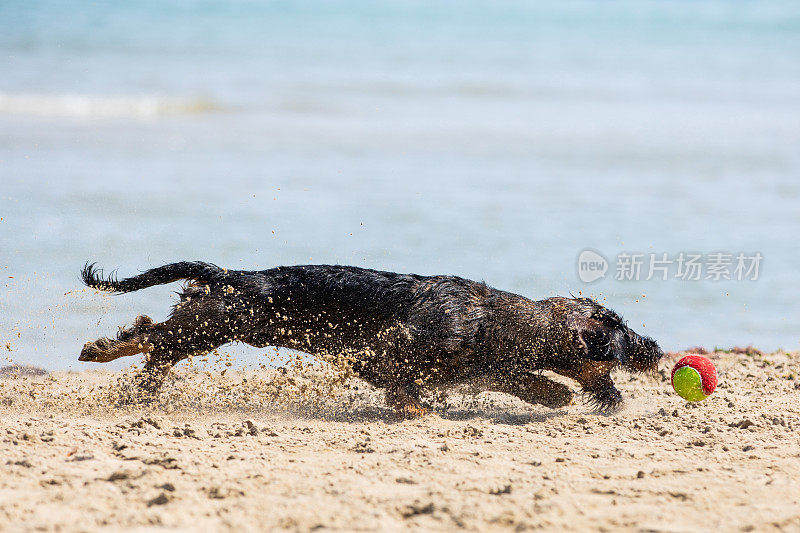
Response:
column 493, row 140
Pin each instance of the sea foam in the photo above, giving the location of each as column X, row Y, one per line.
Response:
column 91, row 106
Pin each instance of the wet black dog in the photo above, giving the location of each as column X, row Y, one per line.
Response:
column 399, row 331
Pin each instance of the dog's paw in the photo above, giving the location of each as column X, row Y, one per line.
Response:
column 99, row 351
column 605, row 401
column 408, row 412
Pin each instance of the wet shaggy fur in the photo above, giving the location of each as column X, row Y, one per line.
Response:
column 399, row 331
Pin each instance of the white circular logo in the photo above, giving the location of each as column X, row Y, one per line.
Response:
column 591, row 266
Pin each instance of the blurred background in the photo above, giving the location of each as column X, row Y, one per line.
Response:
column 489, row 139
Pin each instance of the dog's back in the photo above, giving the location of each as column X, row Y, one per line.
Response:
column 416, row 320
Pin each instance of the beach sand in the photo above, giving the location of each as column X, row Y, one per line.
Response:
column 264, row 449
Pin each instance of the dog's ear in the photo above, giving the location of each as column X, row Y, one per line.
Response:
column 600, row 332
column 596, row 341
column 598, row 344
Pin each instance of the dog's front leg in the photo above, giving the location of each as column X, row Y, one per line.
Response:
column 603, row 395
column 534, row 388
column 597, row 385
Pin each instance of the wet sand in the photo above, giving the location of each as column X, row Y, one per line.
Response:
column 263, row 450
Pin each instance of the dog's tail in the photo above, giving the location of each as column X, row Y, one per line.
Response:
column 194, row 270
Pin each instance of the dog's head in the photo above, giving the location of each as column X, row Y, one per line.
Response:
column 602, row 335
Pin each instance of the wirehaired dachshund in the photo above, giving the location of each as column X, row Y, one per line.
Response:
column 401, row 332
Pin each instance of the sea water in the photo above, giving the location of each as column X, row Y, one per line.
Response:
column 493, row 140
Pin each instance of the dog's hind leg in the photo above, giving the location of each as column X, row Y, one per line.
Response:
column 185, row 334
column 190, row 331
column 129, row 341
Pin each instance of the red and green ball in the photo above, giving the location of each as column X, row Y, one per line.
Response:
column 694, row 378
